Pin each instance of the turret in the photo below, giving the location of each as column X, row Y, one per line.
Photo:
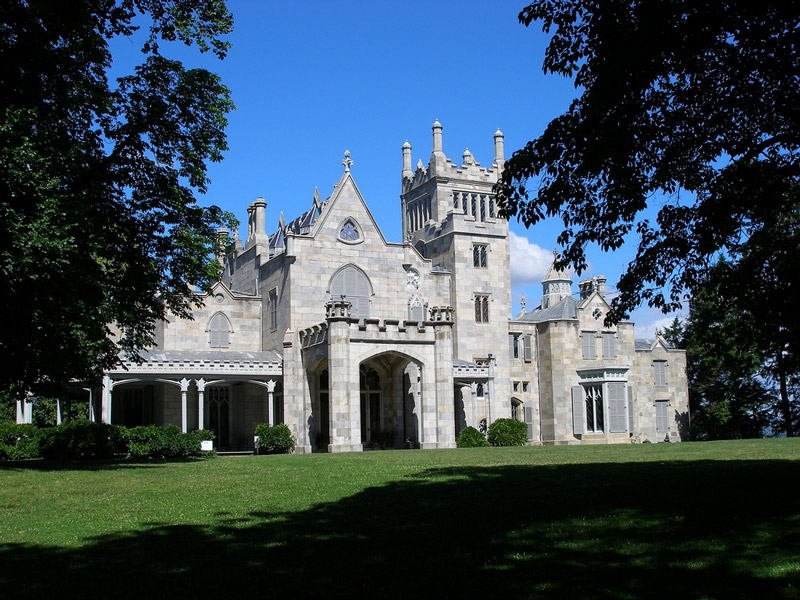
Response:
column 407, row 172
column 556, row 285
column 437, row 156
column 499, row 156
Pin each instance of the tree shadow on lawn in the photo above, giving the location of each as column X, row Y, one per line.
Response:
column 727, row 529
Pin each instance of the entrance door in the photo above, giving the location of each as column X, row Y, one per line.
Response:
column 370, row 406
column 218, row 419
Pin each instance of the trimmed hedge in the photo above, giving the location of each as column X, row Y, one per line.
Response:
column 87, row 439
column 274, row 440
column 508, row 432
column 471, row 438
column 79, row 439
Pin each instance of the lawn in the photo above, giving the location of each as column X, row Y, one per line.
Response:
column 694, row 520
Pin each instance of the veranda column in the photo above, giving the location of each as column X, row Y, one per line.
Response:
column 490, row 389
column 105, row 401
column 270, row 402
column 58, row 411
column 25, row 410
column 201, row 390
column 91, row 404
column 184, row 390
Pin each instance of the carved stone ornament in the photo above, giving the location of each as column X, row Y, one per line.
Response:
column 412, row 279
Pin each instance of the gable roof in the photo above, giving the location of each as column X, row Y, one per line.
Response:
column 345, row 183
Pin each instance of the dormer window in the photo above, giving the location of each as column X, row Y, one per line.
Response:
column 349, row 232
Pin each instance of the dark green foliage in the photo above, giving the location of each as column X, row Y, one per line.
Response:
column 508, row 432
column 733, row 386
column 98, row 179
column 79, row 439
column 692, row 105
column 471, row 438
column 18, row 442
column 274, row 440
column 152, row 441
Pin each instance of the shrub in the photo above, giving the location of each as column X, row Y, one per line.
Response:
column 508, row 432
column 18, row 442
column 160, row 442
column 471, row 438
column 195, row 437
column 78, row 439
column 274, row 440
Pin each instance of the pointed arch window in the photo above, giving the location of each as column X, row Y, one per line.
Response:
column 354, row 285
column 219, row 330
column 349, row 232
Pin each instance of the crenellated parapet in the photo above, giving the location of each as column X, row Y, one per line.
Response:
column 440, row 166
column 442, row 314
column 337, row 310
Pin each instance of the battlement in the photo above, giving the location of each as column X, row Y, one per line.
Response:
column 440, row 166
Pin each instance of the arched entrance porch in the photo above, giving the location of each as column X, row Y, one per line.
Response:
column 390, row 401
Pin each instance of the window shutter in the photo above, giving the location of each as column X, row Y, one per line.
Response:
column 527, row 347
column 588, row 345
column 609, row 346
column 529, row 421
column 630, row 409
column 218, row 332
column 616, row 407
column 660, row 373
column 577, row 410
column 662, row 421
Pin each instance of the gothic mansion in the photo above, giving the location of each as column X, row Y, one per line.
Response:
column 355, row 342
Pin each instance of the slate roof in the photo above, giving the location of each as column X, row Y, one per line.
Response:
column 564, row 309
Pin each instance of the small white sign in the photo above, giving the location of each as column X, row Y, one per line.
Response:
column 206, row 445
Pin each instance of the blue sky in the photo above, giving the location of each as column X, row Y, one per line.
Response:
column 312, row 79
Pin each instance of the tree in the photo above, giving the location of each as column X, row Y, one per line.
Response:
column 674, row 333
column 729, row 396
column 688, row 104
column 98, row 219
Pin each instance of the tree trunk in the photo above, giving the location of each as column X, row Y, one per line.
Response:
column 786, row 407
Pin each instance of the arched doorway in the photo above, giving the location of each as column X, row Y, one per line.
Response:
column 390, row 401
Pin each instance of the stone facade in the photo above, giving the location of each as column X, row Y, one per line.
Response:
column 355, row 342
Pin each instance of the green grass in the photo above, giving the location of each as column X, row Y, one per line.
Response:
column 711, row 520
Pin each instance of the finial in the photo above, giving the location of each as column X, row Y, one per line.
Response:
column 522, row 303
column 347, row 162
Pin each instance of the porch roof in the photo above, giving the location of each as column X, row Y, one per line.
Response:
column 269, row 362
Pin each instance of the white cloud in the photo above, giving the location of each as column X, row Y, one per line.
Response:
column 647, row 320
column 529, row 262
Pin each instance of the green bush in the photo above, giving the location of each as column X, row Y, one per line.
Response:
column 162, row 442
column 78, row 439
column 195, row 437
column 274, row 440
column 508, row 432
column 471, row 438
column 18, row 442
